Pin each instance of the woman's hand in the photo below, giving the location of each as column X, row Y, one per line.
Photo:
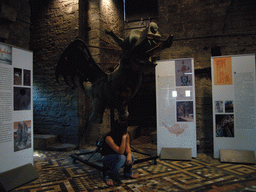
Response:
column 124, row 137
column 129, row 159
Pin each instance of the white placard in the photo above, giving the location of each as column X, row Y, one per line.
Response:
column 175, row 96
column 234, row 114
column 16, row 107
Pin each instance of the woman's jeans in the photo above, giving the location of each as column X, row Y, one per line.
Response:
column 113, row 163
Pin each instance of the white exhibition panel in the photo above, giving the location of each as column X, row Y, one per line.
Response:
column 176, row 110
column 16, row 107
column 234, row 113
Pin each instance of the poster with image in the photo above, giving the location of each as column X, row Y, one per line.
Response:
column 222, row 71
column 224, row 125
column 183, row 72
column 17, row 76
column 22, row 135
column 219, row 107
column 229, row 107
column 22, row 98
column 185, row 111
column 27, row 77
column 16, row 111
column 5, row 54
column 234, row 103
column 175, row 98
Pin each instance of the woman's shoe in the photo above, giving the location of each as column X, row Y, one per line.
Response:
column 133, row 176
column 109, row 182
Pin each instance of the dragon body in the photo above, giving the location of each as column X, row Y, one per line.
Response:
column 117, row 88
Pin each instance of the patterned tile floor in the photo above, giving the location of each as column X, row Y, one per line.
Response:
column 58, row 172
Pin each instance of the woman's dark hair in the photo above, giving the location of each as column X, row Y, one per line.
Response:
column 118, row 130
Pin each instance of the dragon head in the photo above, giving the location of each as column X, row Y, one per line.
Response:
column 142, row 44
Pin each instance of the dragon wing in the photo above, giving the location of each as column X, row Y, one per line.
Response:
column 77, row 61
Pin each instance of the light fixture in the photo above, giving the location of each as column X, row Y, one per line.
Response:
column 187, row 93
column 174, row 93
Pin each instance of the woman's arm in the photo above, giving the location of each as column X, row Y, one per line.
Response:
column 128, row 150
column 128, row 146
column 118, row 149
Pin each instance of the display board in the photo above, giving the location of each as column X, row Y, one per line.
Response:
column 176, row 111
column 233, row 93
column 16, row 107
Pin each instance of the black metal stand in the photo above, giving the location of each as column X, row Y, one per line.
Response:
column 76, row 157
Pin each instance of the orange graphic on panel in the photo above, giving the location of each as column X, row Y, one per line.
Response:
column 222, row 71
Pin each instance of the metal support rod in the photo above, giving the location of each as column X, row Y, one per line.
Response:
column 77, row 157
column 145, row 159
column 112, row 110
column 134, row 150
column 100, row 168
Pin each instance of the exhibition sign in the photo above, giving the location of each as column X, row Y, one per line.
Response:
column 16, row 107
column 233, row 95
column 176, row 110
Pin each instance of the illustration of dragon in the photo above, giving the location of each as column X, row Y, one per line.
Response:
column 117, row 88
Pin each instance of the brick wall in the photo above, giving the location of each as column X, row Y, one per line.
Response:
column 15, row 22
column 58, row 109
column 101, row 15
column 54, row 26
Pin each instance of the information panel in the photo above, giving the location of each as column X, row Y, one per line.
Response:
column 16, row 111
column 175, row 96
column 233, row 89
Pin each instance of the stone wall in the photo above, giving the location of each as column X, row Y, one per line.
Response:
column 199, row 27
column 15, row 22
column 54, row 26
column 101, row 15
column 58, row 109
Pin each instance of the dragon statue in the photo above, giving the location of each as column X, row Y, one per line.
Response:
column 117, row 88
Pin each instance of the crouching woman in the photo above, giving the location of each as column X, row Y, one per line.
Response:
column 116, row 152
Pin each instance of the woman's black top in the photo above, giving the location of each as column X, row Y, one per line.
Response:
column 106, row 149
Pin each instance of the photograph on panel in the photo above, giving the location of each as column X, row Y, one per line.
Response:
column 5, row 54
column 27, row 77
column 224, row 125
column 223, row 71
column 229, row 107
column 185, row 111
column 22, row 98
column 17, row 76
column 183, row 71
column 22, row 135
column 219, row 107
